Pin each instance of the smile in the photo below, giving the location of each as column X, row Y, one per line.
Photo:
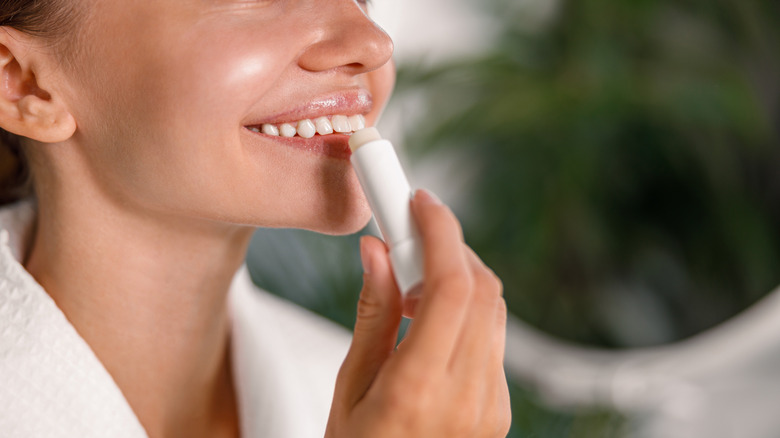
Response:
column 308, row 128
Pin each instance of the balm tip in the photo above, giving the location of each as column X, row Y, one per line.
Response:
column 363, row 136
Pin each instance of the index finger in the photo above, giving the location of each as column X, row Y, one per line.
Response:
column 447, row 284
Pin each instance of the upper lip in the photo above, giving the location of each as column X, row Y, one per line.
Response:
column 348, row 102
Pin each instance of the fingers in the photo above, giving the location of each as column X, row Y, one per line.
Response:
column 480, row 346
column 480, row 352
column 447, row 287
column 376, row 328
column 447, row 378
column 461, row 316
column 498, row 402
column 497, row 406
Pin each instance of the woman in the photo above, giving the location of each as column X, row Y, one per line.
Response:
column 158, row 135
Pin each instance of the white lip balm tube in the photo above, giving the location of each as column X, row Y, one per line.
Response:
column 388, row 192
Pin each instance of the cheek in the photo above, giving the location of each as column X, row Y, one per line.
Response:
column 380, row 83
column 173, row 118
column 165, row 132
column 212, row 88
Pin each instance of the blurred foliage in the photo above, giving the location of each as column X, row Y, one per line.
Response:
column 319, row 272
column 630, row 183
column 531, row 419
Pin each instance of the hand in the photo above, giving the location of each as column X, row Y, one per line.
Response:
column 446, row 379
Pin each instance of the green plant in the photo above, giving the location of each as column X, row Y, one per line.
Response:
column 628, row 154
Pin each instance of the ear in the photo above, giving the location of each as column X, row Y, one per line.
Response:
column 26, row 109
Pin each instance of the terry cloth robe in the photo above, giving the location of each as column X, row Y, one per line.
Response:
column 285, row 360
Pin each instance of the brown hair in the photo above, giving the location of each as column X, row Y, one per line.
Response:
column 46, row 19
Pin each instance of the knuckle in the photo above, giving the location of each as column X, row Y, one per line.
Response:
column 486, row 278
column 498, row 285
column 502, row 311
column 489, row 284
column 489, row 292
column 491, row 281
column 501, row 320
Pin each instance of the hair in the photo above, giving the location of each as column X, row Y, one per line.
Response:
column 50, row 20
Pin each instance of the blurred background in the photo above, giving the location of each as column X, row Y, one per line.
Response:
column 616, row 162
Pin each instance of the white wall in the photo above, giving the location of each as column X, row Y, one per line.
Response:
column 433, row 29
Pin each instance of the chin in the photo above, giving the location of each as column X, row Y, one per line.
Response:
column 340, row 209
column 338, row 225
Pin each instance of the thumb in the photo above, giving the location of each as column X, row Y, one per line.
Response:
column 376, row 328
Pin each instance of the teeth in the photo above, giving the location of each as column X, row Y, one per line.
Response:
column 357, row 122
column 323, row 126
column 341, row 124
column 287, row 130
column 307, row 128
column 270, row 129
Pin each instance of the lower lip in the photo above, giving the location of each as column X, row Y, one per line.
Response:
column 331, row 145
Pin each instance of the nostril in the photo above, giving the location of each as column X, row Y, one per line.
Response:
column 355, row 66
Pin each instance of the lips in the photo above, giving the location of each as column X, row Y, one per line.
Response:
column 349, row 102
column 321, row 125
column 334, row 145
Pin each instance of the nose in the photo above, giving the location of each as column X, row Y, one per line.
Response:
column 346, row 39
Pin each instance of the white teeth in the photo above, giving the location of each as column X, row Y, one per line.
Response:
column 306, row 128
column 341, row 124
column 357, row 122
column 323, row 126
column 270, row 129
column 287, row 130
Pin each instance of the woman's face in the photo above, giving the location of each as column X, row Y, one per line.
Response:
column 169, row 92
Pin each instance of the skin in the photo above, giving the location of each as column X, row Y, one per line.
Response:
column 149, row 186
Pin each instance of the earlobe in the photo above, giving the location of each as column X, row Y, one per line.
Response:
column 25, row 108
column 45, row 121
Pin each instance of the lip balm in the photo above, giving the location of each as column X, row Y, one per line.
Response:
column 388, row 193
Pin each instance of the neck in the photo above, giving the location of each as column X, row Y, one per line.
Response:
column 147, row 291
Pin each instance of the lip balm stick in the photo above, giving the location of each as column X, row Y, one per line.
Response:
column 388, row 192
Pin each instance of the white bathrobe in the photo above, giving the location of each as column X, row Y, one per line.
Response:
column 285, row 360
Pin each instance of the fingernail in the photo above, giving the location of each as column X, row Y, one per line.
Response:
column 365, row 259
column 427, row 197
